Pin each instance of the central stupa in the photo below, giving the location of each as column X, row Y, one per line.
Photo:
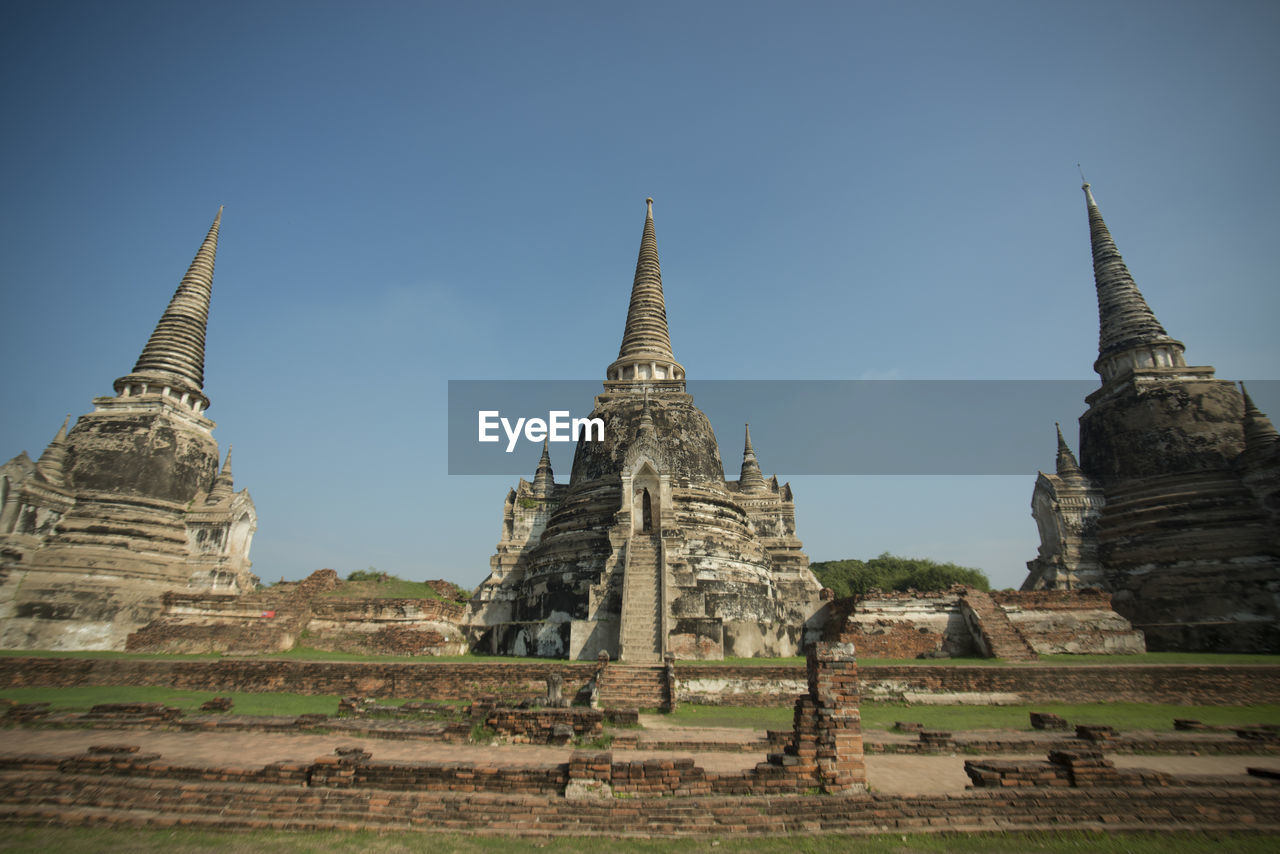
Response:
column 648, row 549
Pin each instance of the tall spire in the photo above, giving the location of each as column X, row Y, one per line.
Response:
column 174, row 355
column 50, row 464
column 1067, row 465
column 645, row 354
column 1126, row 322
column 223, row 484
column 750, row 479
column 544, row 480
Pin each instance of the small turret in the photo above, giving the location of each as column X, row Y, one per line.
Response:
column 1067, row 466
column 223, row 484
column 50, row 464
column 750, row 479
column 544, row 480
column 1260, row 435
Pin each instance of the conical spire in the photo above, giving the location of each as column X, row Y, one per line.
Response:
column 223, row 484
column 750, row 479
column 646, row 428
column 174, row 355
column 1067, row 465
column 1259, row 433
column 50, row 464
column 1125, row 320
column 544, row 480
column 645, row 354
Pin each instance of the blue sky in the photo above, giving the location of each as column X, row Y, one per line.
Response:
column 419, row 192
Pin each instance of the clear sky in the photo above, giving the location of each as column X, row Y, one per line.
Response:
column 417, row 192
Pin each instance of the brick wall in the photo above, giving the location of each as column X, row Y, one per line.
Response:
column 1181, row 684
column 426, row 680
column 745, row 685
column 526, row 801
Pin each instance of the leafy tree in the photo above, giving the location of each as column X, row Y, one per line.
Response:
column 892, row 573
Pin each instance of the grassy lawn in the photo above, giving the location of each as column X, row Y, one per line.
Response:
column 390, row 587
column 875, row 715
column 1122, row 716
column 186, row 841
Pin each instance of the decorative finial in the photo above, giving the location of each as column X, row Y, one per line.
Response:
column 1083, row 180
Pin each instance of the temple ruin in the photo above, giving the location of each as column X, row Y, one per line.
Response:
column 648, row 550
column 130, row 502
column 1172, row 507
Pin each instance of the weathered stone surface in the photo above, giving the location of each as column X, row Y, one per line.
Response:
column 128, row 504
column 966, row 622
column 275, row 619
column 1172, row 509
column 647, row 549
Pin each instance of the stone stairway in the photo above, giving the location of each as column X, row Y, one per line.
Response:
column 632, row 687
column 639, row 634
column 988, row 620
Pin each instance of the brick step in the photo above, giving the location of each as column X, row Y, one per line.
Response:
column 628, row 686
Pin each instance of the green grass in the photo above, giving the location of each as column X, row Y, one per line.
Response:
column 876, row 715
column 188, row 841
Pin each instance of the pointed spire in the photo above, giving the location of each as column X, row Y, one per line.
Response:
column 1259, row 433
column 750, row 479
column 51, row 462
column 544, row 480
column 1125, row 320
column 174, row 355
column 646, row 428
column 645, row 354
column 223, row 484
column 1067, row 465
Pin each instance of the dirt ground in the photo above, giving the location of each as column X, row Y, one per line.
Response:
column 892, row 773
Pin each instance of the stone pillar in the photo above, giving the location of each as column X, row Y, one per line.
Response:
column 828, row 725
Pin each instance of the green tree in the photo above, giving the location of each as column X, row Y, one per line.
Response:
column 892, row 573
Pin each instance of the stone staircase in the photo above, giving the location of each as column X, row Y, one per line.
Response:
column 992, row 626
column 641, row 625
column 633, row 687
